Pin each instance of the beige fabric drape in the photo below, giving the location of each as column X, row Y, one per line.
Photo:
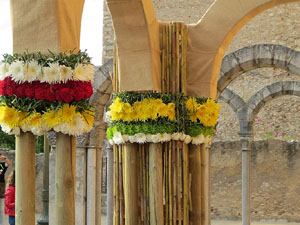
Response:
column 39, row 25
column 137, row 36
column 209, row 39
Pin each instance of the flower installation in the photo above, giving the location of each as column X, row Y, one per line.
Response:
column 155, row 117
column 41, row 92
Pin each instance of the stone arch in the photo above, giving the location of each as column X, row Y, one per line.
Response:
column 222, row 21
column 257, row 56
column 258, row 100
column 232, row 99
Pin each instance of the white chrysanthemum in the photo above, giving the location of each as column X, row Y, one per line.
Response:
column 79, row 72
column 15, row 131
column 207, row 140
column 156, row 138
column 4, row 70
column 149, row 138
column 40, row 130
column 181, row 136
column 140, row 138
column 5, row 128
column 51, row 73
column 198, row 139
column 166, row 137
column 111, row 142
column 107, row 117
column 187, row 139
column 132, row 139
column 31, row 71
column 65, row 73
column 62, row 127
column 76, row 127
column 16, row 70
column 125, row 137
column 26, row 127
column 117, row 138
column 89, row 70
column 175, row 136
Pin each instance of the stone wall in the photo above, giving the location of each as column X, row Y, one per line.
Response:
column 274, row 180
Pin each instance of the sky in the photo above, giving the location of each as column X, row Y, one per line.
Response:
column 91, row 29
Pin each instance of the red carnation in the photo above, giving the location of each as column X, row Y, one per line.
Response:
column 20, row 92
column 49, row 95
column 39, row 93
column 2, row 87
column 65, row 94
column 29, row 90
column 88, row 90
column 9, row 90
column 79, row 95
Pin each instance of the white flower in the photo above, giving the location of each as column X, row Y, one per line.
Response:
column 51, row 73
column 65, row 73
column 181, row 136
column 26, row 127
column 117, row 138
column 156, row 138
column 107, row 117
column 140, row 138
column 111, row 142
column 4, row 71
column 79, row 72
column 5, row 128
column 31, row 71
column 166, row 137
column 125, row 137
column 187, row 139
column 77, row 126
column 16, row 70
column 175, row 136
column 15, row 131
column 148, row 137
column 90, row 70
column 132, row 139
column 198, row 140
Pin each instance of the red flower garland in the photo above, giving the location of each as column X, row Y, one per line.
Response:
column 61, row 92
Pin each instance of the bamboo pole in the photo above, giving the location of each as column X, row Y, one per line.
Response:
column 195, row 170
column 205, row 185
column 25, row 179
column 131, row 184
column 116, row 186
column 155, row 184
column 185, row 185
column 65, row 179
column 98, row 185
column 121, row 189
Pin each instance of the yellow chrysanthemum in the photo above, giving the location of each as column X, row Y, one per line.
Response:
column 191, row 104
column 115, row 116
column 10, row 116
column 35, row 119
column 51, row 119
column 201, row 112
column 126, row 108
column 171, row 115
column 88, row 117
column 67, row 113
column 193, row 117
column 163, row 110
column 116, row 106
column 24, row 118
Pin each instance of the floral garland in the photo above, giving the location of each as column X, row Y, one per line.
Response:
column 155, row 117
column 33, row 98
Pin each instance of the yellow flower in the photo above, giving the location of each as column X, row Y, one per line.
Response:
column 116, row 106
column 193, row 117
column 35, row 119
column 67, row 113
column 172, row 115
column 10, row 116
column 201, row 112
column 126, row 108
column 51, row 119
column 163, row 110
column 88, row 117
column 191, row 104
column 115, row 116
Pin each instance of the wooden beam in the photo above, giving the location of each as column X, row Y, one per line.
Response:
column 25, row 179
column 205, row 184
column 131, row 184
column 65, row 179
column 155, row 184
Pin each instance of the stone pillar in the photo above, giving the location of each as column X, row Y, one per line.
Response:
column 110, row 185
column 245, row 137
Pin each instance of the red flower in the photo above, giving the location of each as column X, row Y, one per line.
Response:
column 29, row 90
column 2, row 87
column 9, row 90
column 65, row 94
column 20, row 92
column 39, row 93
column 49, row 95
column 88, row 90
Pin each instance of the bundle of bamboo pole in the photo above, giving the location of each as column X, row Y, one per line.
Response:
column 168, row 179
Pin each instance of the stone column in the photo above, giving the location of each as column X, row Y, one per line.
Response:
column 245, row 137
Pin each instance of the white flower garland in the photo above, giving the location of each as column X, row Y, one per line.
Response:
column 141, row 138
column 55, row 73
